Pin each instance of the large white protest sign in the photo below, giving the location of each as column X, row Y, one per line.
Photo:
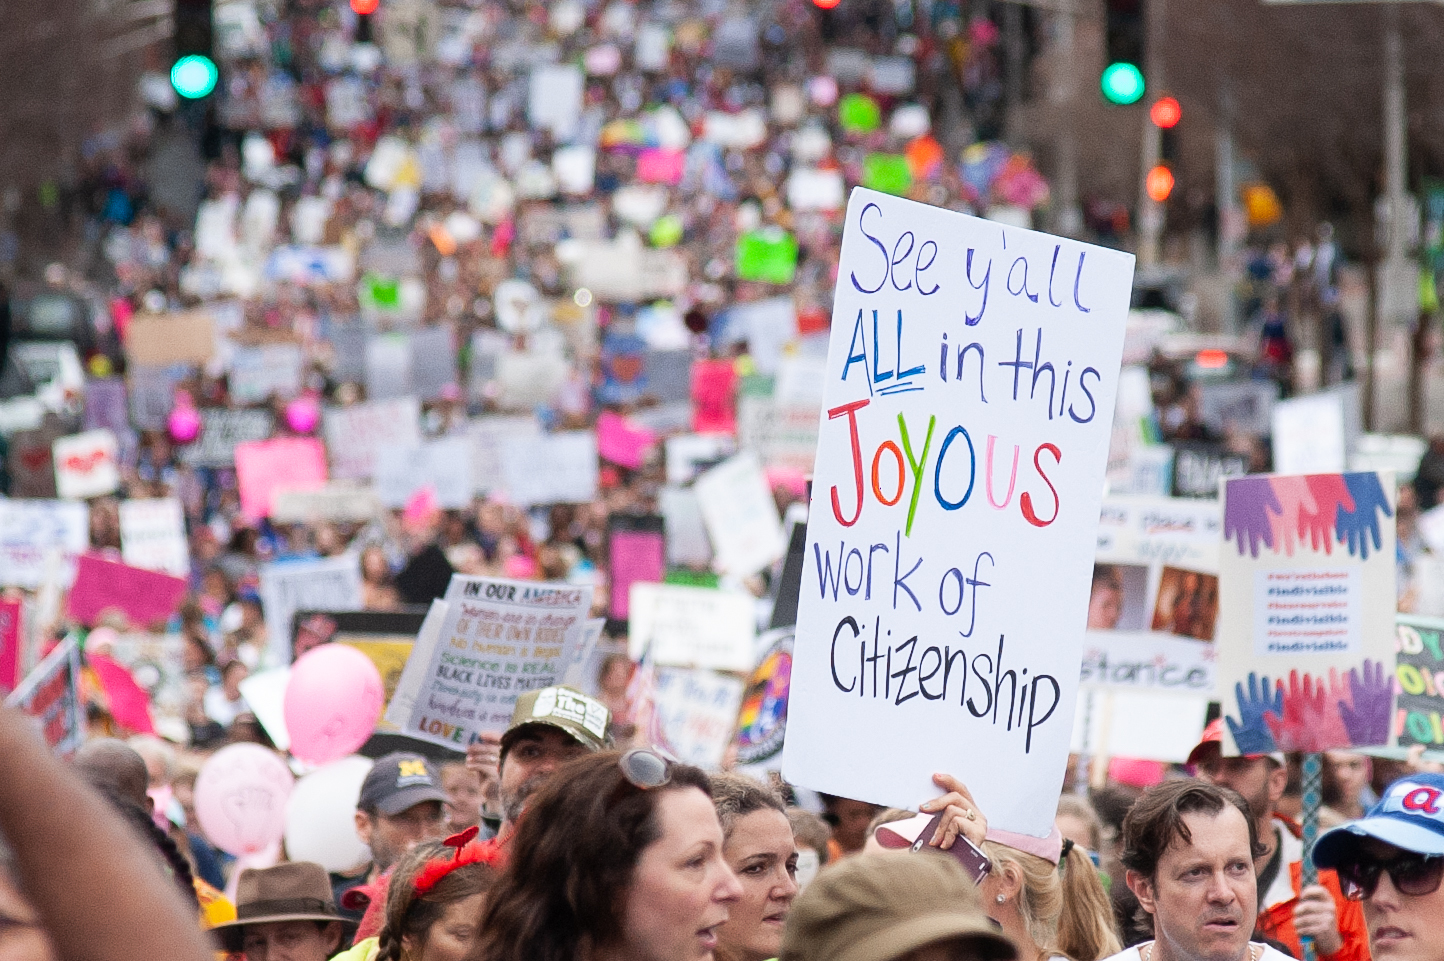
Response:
column 697, row 712
column 487, row 435
column 970, row 384
column 741, row 516
column 499, row 640
column 221, row 431
column 334, row 501
column 414, row 674
column 86, row 464
column 556, row 468
column 153, row 535
column 328, row 584
column 264, row 371
column 40, row 540
column 444, row 465
column 1307, row 602
column 691, row 626
column 354, row 434
column 1312, row 434
column 554, row 99
column 1153, row 602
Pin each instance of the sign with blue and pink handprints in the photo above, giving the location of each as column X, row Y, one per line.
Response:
column 1306, row 611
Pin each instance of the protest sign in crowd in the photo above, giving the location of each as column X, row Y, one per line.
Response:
column 611, row 480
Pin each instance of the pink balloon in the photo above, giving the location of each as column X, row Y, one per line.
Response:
column 240, row 798
column 303, row 414
column 332, row 703
column 185, row 424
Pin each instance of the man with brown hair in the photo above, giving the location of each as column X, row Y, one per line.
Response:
column 1188, row 847
column 1288, row 911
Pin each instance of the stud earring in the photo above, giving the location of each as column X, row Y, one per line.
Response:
column 1001, row 899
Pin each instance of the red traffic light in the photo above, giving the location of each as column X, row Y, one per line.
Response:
column 1159, row 183
column 1165, row 113
column 363, row 7
column 826, row 4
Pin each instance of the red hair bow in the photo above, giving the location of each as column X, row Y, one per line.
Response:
column 467, row 851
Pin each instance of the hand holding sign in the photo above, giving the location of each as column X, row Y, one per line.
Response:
column 961, row 815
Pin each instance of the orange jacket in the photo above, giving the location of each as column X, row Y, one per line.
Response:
column 1276, row 920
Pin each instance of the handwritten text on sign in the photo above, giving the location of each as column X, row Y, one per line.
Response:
column 968, row 400
column 500, row 639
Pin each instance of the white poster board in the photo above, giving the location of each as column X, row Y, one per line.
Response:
column 1153, row 601
column 499, row 640
column 86, row 465
column 556, row 468
column 444, row 465
column 153, row 535
column 354, row 434
column 327, row 584
column 41, row 539
column 691, row 626
column 487, row 436
column 697, row 712
column 1310, row 434
column 1306, row 620
column 975, row 365
column 741, row 516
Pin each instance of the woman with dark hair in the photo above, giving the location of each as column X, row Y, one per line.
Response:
column 619, row 856
column 759, row 848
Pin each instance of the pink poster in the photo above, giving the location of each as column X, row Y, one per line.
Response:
column 10, row 636
column 636, row 556
column 145, row 597
column 622, row 442
column 713, row 407
column 264, row 467
column 661, row 166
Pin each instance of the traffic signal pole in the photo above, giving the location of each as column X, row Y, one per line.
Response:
column 1150, row 211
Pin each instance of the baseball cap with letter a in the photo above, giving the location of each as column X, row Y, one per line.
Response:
column 1409, row 816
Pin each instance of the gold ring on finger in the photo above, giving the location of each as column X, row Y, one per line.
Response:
column 971, row 815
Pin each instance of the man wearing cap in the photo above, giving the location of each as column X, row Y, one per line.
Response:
column 400, row 806
column 1287, row 912
column 548, row 728
column 284, row 913
column 1393, row 861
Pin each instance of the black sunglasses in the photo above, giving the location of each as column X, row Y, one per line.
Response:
column 1413, row 874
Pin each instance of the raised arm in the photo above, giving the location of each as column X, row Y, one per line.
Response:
column 100, row 893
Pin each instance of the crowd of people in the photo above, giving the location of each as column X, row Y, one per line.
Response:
column 609, row 854
column 375, row 177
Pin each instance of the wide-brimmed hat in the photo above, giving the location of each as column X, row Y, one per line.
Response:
column 295, row 891
column 877, row 907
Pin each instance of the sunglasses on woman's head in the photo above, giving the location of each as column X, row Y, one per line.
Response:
column 1412, row 874
column 646, row 768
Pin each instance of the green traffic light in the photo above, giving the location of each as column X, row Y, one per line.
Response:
column 194, row 76
column 1122, row 83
